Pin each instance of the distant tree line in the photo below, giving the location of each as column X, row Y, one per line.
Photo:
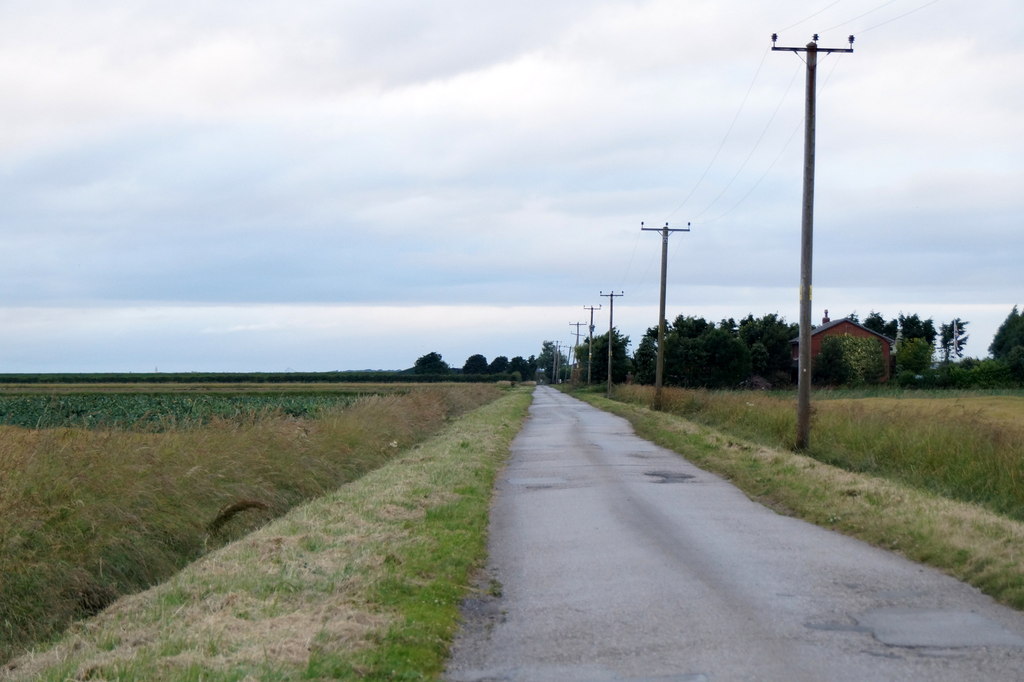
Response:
column 700, row 353
column 362, row 376
column 1005, row 367
column 930, row 357
column 703, row 354
column 757, row 351
column 476, row 366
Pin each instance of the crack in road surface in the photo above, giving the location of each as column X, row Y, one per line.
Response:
column 605, row 576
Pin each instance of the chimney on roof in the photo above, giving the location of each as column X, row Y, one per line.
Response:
column 825, row 319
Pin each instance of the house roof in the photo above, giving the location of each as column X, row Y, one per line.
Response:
column 836, row 323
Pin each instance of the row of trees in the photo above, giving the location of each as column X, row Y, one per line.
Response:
column 516, row 369
column 758, row 351
column 930, row 357
column 1008, row 343
column 1004, row 368
column 698, row 352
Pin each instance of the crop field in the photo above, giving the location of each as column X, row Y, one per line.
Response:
column 105, row 490
column 158, row 410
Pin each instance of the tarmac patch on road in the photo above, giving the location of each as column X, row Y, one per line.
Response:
column 936, row 628
column 669, row 476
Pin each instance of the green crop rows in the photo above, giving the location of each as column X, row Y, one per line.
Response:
column 157, row 411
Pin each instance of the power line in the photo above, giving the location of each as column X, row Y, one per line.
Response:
column 724, row 138
column 782, row 151
column 758, row 182
column 753, row 149
column 805, row 20
column 905, row 14
column 736, row 116
column 882, row 23
column 632, row 256
column 742, row 106
column 721, row 145
column 859, row 16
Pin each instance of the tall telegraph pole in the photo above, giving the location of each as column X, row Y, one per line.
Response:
column 659, row 372
column 611, row 325
column 575, row 361
column 803, row 407
column 590, row 341
column 555, row 363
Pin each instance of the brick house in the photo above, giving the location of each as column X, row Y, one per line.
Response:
column 844, row 327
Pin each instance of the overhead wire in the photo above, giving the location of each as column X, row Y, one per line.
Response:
column 736, row 116
column 764, row 131
column 805, row 20
column 859, row 16
column 900, row 16
column 632, row 257
column 882, row 23
column 753, row 149
column 785, row 146
column 725, row 137
column 707, row 169
column 789, row 140
column 782, row 151
column 792, row 135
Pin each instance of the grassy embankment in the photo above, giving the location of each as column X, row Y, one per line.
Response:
column 88, row 515
column 940, row 480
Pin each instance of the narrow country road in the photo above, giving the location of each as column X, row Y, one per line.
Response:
column 619, row 560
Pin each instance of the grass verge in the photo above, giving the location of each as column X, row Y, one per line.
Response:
column 965, row 540
column 364, row 582
column 87, row 516
column 967, row 447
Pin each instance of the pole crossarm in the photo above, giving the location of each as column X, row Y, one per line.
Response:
column 828, row 50
column 665, row 231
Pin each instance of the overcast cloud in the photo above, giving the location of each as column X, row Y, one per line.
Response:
column 267, row 185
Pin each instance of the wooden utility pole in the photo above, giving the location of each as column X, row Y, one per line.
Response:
column 575, row 361
column 611, row 325
column 555, row 364
column 659, row 372
column 590, row 341
column 803, row 407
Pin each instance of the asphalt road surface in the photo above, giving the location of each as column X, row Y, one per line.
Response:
column 618, row 560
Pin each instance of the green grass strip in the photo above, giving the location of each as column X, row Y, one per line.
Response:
column 364, row 583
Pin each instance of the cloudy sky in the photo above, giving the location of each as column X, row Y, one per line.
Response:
column 349, row 184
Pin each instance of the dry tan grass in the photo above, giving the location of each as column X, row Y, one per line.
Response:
column 87, row 515
column 1006, row 412
column 209, row 387
column 266, row 604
